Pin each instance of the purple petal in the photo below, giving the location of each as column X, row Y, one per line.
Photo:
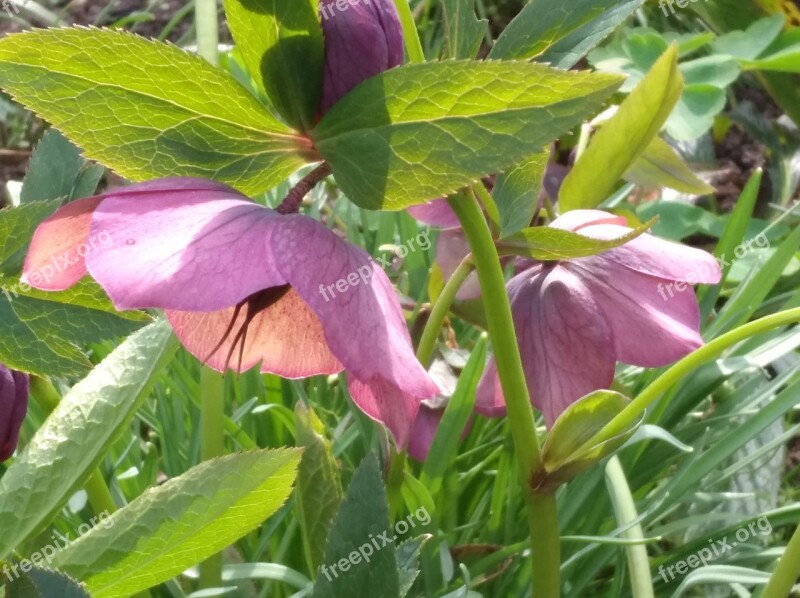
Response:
column 651, row 327
column 656, row 257
column 360, row 314
column 200, row 248
column 13, row 408
column 436, row 213
column 424, row 431
column 362, row 39
column 489, row 400
column 575, row 220
column 564, row 338
column 386, row 403
column 451, row 249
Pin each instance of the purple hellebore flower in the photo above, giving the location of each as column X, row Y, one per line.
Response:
column 241, row 285
column 13, row 407
column 576, row 318
column 363, row 38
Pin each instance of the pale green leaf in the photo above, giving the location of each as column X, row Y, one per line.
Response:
column 561, row 33
column 661, row 166
column 516, row 193
column 68, row 446
column 181, row 523
column 424, row 130
column 463, row 31
column 625, row 137
column 147, row 109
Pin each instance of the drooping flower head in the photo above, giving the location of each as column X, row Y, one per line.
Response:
column 13, row 407
column 241, row 285
column 575, row 319
column 363, row 38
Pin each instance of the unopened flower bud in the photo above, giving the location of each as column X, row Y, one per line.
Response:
column 363, row 38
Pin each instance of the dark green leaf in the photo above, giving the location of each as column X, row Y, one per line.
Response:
column 516, row 193
column 464, row 32
column 44, row 583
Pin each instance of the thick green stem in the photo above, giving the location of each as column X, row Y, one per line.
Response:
column 427, row 343
column 207, row 28
column 212, row 444
column 787, row 571
column 542, row 514
column 680, row 370
column 45, row 394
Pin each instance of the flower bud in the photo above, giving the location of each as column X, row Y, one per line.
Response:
column 13, row 407
column 362, row 39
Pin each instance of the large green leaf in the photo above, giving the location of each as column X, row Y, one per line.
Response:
column 58, row 171
column 625, row 137
column 561, row 33
column 181, row 523
column 74, row 438
column 362, row 540
column 424, row 130
column 147, row 109
column 17, row 226
column 281, row 44
column 319, row 489
column 463, row 31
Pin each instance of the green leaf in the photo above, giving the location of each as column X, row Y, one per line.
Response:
column 408, row 563
column 181, row 523
column 43, row 583
column 565, row 453
column 661, row 166
column 695, row 112
column 359, row 533
column 17, row 226
column 516, row 193
column 147, row 109
column 73, row 440
column 749, row 44
column 281, row 44
column 782, row 56
column 625, row 137
column 460, row 407
column 424, row 130
column 545, row 243
column 464, row 32
column 319, row 489
column 57, row 171
column 558, row 33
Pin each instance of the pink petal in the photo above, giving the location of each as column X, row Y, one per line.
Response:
column 436, row 213
column 651, row 326
column 575, row 220
column 650, row 255
column 286, row 338
column 565, row 341
column 55, row 260
column 190, row 249
column 386, row 403
column 451, row 249
column 489, row 400
column 424, row 431
column 355, row 301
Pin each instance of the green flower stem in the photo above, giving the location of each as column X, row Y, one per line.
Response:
column 427, row 343
column 680, row 370
column 625, row 510
column 786, row 572
column 212, row 444
column 542, row 515
column 410, row 33
column 45, row 394
column 207, row 28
